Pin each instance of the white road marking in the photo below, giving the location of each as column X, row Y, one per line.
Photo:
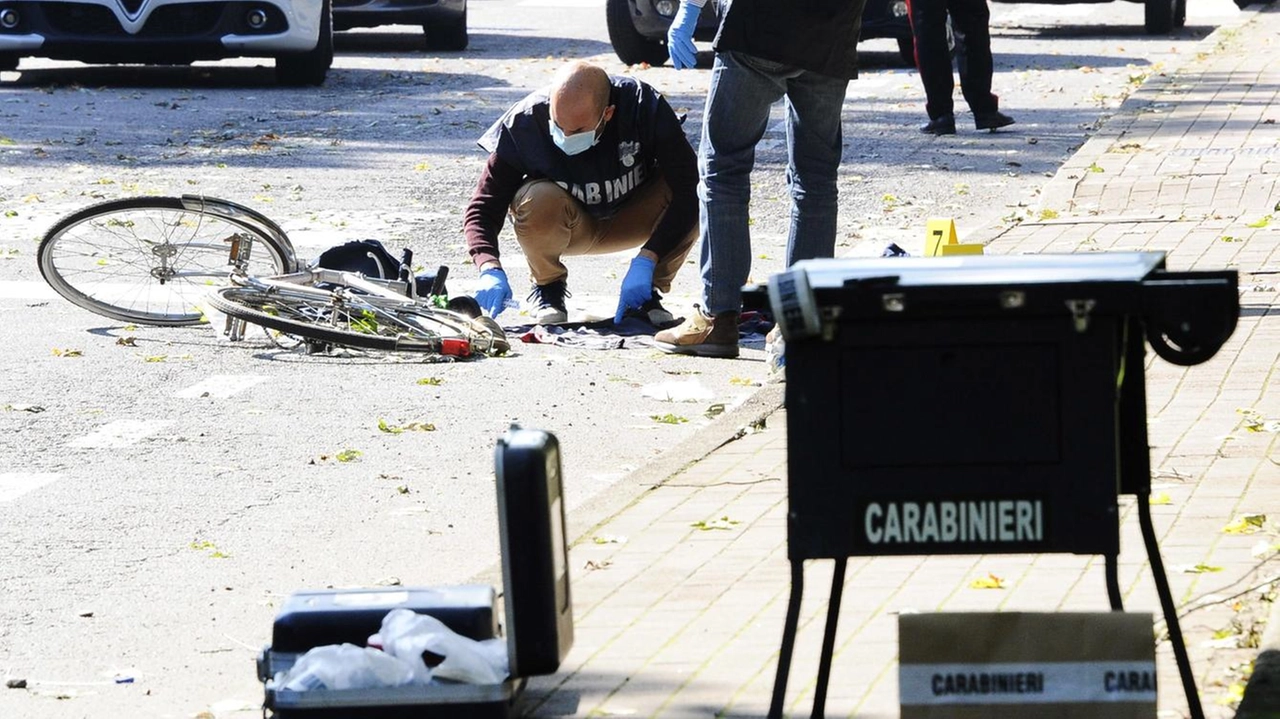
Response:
column 220, row 386
column 26, row 290
column 875, row 84
column 14, row 484
column 120, row 433
column 127, row 294
column 1041, row 13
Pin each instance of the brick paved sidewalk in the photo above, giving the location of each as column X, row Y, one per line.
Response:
column 679, row 598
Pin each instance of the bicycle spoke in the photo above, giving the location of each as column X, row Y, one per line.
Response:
column 150, row 262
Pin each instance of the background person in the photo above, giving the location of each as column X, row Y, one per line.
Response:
column 803, row 51
column 591, row 165
column 970, row 24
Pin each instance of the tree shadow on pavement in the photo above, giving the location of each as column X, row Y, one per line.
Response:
column 174, row 77
column 1131, row 32
column 481, row 46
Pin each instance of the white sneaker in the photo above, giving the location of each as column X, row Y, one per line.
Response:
column 775, row 353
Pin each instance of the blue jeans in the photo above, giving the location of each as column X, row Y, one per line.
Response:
column 743, row 88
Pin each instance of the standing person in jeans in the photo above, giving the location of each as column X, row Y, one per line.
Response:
column 593, row 164
column 970, row 25
column 803, row 51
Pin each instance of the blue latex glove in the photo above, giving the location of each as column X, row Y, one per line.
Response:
column 637, row 286
column 680, row 37
column 494, row 292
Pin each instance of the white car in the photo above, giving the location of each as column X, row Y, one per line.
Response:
column 298, row 34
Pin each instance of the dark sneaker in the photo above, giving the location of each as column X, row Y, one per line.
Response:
column 991, row 120
column 702, row 335
column 548, row 302
column 944, row 125
column 657, row 315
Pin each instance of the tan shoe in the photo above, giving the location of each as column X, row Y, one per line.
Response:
column 702, row 335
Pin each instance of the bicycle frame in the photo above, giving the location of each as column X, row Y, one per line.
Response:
column 115, row 258
column 352, row 289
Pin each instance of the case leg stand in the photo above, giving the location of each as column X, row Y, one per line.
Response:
column 1113, row 582
column 1166, row 604
column 788, row 639
column 829, row 640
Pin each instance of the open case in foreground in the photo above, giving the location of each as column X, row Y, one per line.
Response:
column 538, row 613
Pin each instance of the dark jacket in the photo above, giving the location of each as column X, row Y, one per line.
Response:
column 816, row 35
column 644, row 139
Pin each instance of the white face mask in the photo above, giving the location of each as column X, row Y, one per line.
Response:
column 577, row 142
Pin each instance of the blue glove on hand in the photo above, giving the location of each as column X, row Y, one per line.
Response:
column 680, row 37
column 637, row 286
column 494, row 292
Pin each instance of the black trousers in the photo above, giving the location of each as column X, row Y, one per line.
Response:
column 970, row 21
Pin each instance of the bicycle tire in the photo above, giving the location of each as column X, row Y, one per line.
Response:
column 350, row 325
column 103, row 258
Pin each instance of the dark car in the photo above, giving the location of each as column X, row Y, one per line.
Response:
column 638, row 28
column 443, row 21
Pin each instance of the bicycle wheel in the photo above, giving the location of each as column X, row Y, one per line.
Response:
column 152, row 260
column 325, row 317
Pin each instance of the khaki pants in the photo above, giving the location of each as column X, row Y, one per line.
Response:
column 551, row 224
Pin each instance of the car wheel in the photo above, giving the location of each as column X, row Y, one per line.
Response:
column 1158, row 16
column 8, row 61
column 630, row 46
column 310, row 67
column 449, row 35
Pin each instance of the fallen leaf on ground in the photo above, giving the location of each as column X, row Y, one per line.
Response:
column 990, row 581
column 1245, row 524
column 721, row 523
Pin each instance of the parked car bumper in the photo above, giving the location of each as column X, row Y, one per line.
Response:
column 653, row 24
column 1059, row 2
column 880, row 19
column 372, row 13
column 885, row 18
column 165, row 31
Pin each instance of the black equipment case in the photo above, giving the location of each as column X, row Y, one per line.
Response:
column 538, row 611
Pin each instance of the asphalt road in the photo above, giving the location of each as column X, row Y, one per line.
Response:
column 160, row 495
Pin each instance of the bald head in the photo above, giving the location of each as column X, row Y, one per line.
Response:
column 579, row 96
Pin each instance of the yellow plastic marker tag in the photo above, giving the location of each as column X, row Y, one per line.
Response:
column 939, row 232
column 958, row 249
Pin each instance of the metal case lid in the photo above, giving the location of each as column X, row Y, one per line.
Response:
column 1000, row 270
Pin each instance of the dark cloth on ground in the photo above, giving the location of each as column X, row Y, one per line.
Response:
column 632, row 333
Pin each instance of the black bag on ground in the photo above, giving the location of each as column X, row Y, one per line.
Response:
column 372, row 259
column 368, row 257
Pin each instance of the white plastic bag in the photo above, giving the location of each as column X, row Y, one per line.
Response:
column 346, row 666
column 406, row 634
